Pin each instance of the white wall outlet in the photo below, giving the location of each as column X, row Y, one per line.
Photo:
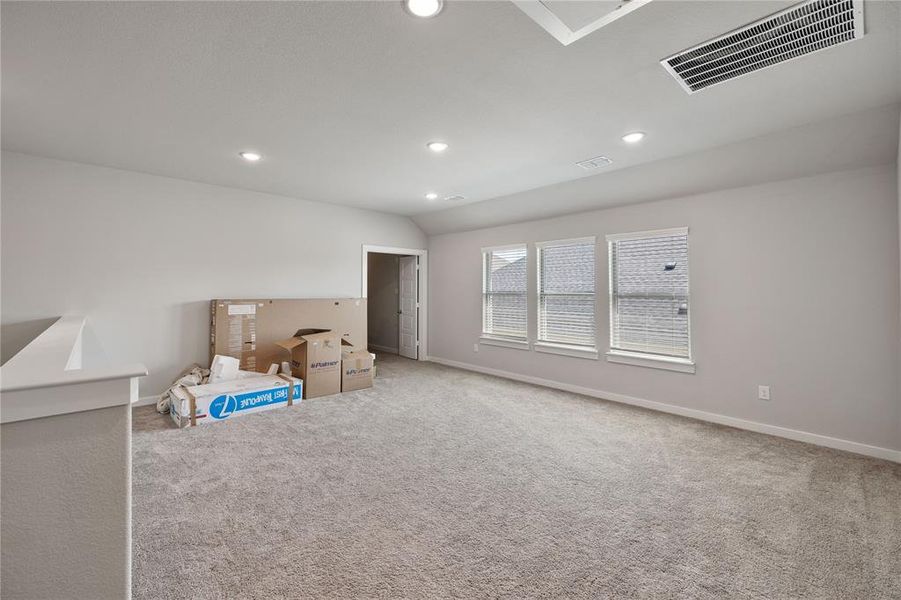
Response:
column 763, row 392
column 475, row 347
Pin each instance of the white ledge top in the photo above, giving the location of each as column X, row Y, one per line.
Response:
column 54, row 359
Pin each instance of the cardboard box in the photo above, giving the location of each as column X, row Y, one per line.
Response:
column 357, row 370
column 213, row 402
column 316, row 358
column 249, row 329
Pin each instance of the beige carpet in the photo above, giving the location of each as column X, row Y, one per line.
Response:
column 440, row 483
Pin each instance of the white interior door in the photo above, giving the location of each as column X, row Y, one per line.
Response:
column 408, row 309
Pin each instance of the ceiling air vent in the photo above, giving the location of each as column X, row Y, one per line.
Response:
column 802, row 29
column 594, row 163
column 455, row 198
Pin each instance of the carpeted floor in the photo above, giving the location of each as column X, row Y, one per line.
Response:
column 440, row 483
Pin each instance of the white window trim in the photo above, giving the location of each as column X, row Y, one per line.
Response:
column 498, row 340
column 505, row 247
column 516, row 343
column 566, row 350
column 639, row 359
column 555, row 347
column 581, row 240
column 639, row 235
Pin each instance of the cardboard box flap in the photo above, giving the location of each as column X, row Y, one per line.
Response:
column 304, row 335
column 292, row 343
column 355, row 354
column 309, row 332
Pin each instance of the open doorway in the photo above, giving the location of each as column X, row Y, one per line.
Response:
column 394, row 285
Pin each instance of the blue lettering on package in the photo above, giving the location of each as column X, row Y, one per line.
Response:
column 225, row 406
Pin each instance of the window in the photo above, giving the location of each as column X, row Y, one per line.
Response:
column 649, row 302
column 566, row 302
column 504, row 300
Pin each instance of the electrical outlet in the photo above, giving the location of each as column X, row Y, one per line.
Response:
column 475, row 347
column 763, row 392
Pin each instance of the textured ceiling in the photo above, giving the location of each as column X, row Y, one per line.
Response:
column 341, row 97
column 852, row 141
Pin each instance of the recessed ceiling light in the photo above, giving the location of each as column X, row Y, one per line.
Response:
column 634, row 137
column 423, row 8
column 250, row 156
column 431, row 196
column 437, row 147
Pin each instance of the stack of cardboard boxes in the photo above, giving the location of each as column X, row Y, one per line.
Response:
column 326, row 355
column 327, row 363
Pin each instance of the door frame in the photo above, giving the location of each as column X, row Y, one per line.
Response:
column 423, row 285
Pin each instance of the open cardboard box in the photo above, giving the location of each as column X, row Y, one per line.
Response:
column 316, row 359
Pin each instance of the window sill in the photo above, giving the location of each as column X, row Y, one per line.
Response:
column 504, row 342
column 681, row 365
column 565, row 350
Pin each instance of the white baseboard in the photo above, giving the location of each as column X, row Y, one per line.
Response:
column 784, row 432
column 146, row 401
column 388, row 349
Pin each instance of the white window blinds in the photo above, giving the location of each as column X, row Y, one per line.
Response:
column 649, row 293
column 566, row 303
column 504, row 301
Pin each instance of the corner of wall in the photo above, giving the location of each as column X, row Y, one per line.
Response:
column 898, row 182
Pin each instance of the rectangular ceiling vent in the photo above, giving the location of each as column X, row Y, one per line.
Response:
column 594, row 163
column 569, row 20
column 455, row 198
column 802, row 29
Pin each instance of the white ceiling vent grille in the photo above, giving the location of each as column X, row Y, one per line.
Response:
column 802, row 29
column 594, row 163
column 455, row 198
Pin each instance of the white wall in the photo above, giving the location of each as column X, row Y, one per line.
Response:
column 794, row 284
column 66, row 498
column 382, row 300
column 142, row 255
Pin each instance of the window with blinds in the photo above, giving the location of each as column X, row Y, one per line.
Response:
column 504, row 288
column 566, row 302
column 649, row 298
